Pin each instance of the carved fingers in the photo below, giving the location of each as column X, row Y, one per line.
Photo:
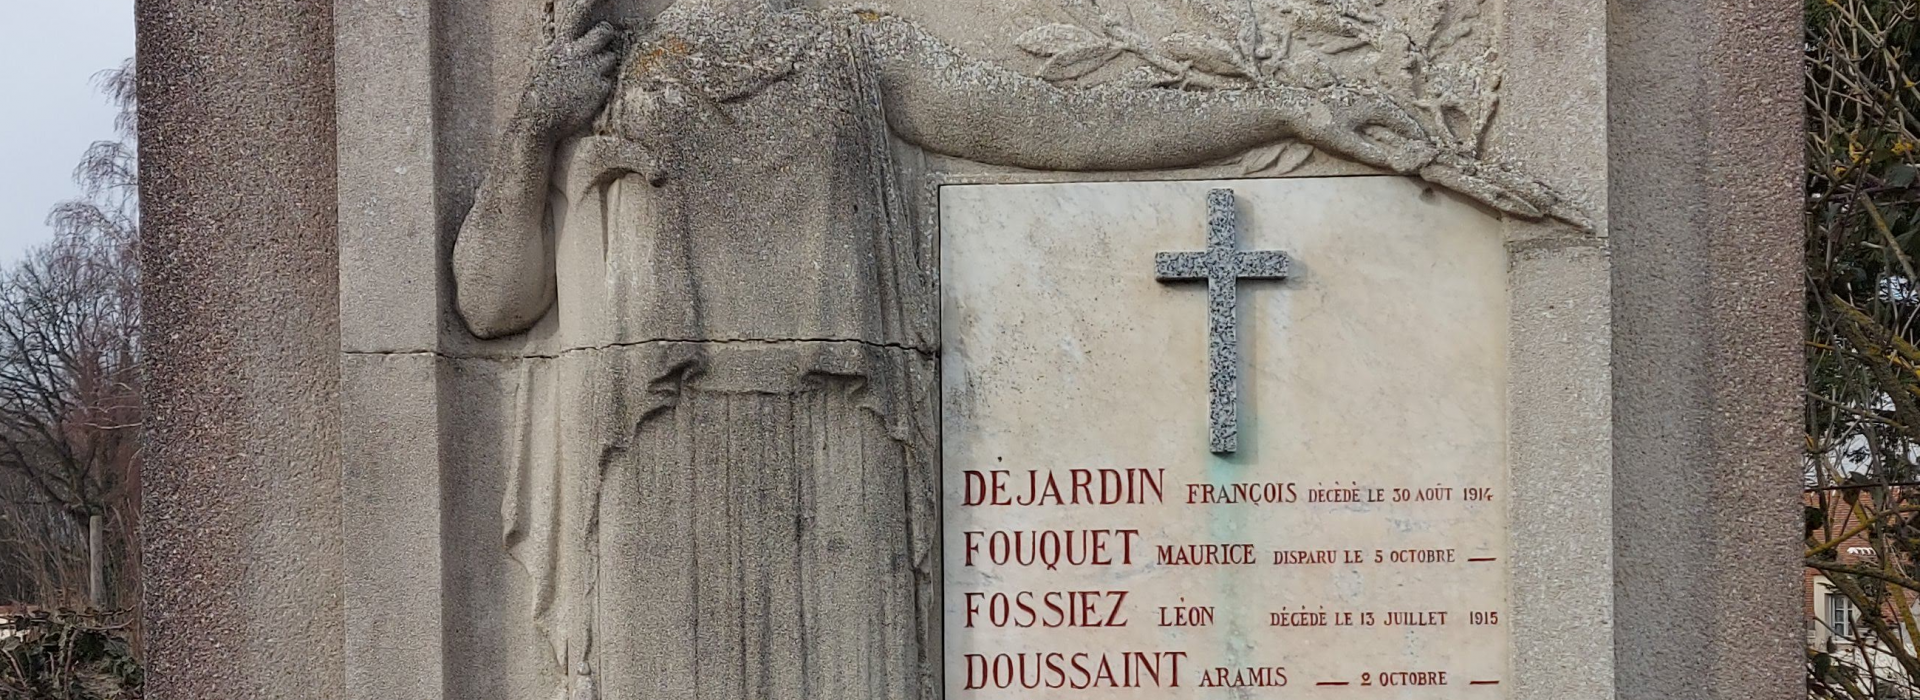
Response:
column 596, row 44
column 1372, row 130
column 570, row 86
column 1492, row 186
column 1378, row 114
column 571, row 17
column 594, row 53
column 599, row 50
column 1379, row 132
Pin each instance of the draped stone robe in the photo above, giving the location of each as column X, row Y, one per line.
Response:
column 724, row 480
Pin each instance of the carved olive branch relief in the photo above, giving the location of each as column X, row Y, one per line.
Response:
column 1430, row 58
column 1422, row 55
column 1408, row 85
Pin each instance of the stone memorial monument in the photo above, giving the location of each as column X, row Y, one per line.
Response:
column 740, row 349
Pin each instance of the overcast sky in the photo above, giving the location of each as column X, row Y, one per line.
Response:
column 49, row 53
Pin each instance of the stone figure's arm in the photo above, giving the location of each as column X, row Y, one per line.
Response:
column 502, row 260
column 952, row 104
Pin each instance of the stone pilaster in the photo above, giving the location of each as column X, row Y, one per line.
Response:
column 242, row 537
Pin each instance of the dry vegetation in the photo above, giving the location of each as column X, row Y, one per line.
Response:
column 1863, row 403
column 69, row 439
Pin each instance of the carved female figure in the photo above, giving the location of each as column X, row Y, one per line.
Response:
column 726, row 484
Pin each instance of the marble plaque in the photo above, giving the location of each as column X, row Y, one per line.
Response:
column 1353, row 541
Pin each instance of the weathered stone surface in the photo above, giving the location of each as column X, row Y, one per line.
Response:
column 1553, row 123
column 241, row 519
column 393, row 511
column 392, row 316
column 239, row 142
column 389, row 223
column 612, row 256
column 1380, row 366
column 1561, row 455
column 1706, row 148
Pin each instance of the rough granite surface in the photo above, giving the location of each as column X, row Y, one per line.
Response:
column 1221, row 266
column 1705, row 206
column 242, row 544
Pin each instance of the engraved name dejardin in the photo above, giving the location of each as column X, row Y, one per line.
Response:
column 1105, row 576
column 1080, row 487
column 1222, row 265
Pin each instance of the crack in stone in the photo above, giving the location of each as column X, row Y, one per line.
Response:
column 639, row 343
column 1555, row 242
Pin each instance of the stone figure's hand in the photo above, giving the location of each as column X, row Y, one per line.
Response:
column 1496, row 187
column 1368, row 129
column 1380, row 133
column 572, row 82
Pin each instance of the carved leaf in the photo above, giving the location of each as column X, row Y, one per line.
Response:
column 1054, row 39
column 1079, row 61
column 1144, row 77
column 1277, row 159
column 1461, row 27
column 1452, row 34
column 1205, row 53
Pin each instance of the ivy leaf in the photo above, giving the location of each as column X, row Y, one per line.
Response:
column 1051, row 40
column 1205, row 53
column 1276, row 159
column 1078, row 61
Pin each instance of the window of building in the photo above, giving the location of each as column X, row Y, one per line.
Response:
column 1840, row 614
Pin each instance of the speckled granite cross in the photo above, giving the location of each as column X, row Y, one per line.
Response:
column 1222, row 265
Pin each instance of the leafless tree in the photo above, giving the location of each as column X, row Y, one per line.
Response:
column 1863, row 371
column 70, row 389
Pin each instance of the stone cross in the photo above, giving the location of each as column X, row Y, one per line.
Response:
column 1222, row 265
